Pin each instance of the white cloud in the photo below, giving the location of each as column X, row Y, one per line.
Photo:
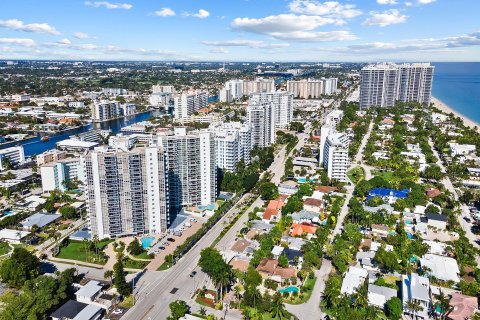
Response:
column 411, row 45
column 281, row 23
column 109, row 5
column 328, row 8
column 385, row 18
column 24, row 42
column 218, row 50
column 387, row 2
column 425, row 1
column 64, row 41
column 15, row 24
column 246, row 43
column 201, row 14
column 165, row 12
column 316, row 36
column 81, row 35
column 408, row 4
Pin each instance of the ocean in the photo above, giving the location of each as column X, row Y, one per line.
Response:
column 457, row 84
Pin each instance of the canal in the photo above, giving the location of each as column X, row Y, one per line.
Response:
column 35, row 146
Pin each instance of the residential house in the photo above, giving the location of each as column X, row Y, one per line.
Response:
column 305, row 216
column 438, row 221
column 240, row 263
column 40, row 220
column 380, row 230
column 277, row 251
column 13, row 236
column 74, row 310
column 288, row 187
column 417, row 289
column 240, row 245
column 273, row 211
column 298, row 230
column 378, row 296
column 312, row 204
column 354, row 278
column 269, row 269
column 440, row 267
column 463, row 307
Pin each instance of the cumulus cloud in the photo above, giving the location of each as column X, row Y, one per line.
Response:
column 385, row 18
column 164, row 12
column 426, row 1
column 15, row 24
column 387, row 2
column 328, row 8
column 316, row 36
column 109, row 5
column 201, row 14
column 81, row 35
column 24, row 42
column 246, row 43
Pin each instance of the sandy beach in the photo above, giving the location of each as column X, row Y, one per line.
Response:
column 445, row 108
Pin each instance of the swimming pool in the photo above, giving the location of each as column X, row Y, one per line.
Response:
column 9, row 212
column 304, row 179
column 209, row 207
column 410, row 236
column 289, row 289
column 147, row 242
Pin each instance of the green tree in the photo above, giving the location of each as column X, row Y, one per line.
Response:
column 283, row 261
column 108, row 275
column 294, row 204
column 394, row 308
column 178, row 309
column 252, row 278
column 119, row 280
column 20, row 267
column 268, row 190
column 68, row 212
column 277, row 306
column 135, row 247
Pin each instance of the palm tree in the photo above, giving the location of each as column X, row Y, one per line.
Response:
column 109, row 275
column 444, row 303
column 414, row 307
column 277, row 308
column 202, row 311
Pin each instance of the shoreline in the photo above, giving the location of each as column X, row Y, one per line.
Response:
column 439, row 104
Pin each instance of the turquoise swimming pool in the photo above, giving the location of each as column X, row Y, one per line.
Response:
column 304, row 179
column 8, row 212
column 147, row 242
column 209, row 207
column 289, row 289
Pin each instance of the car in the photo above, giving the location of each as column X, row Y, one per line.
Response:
column 156, row 251
column 161, row 248
column 165, row 244
column 192, row 274
column 171, row 239
column 193, row 220
column 117, row 311
column 467, row 219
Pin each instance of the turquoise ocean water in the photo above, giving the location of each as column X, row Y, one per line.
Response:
column 457, row 84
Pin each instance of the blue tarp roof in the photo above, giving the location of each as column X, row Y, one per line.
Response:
column 384, row 192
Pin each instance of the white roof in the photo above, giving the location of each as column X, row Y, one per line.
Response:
column 378, row 296
column 11, row 234
column 76, row 143
column 89, row 290
column 436, row 247
column 353, row 279
column 443, row 268
column 277, row 250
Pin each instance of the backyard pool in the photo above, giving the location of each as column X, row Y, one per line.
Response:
column 304, row 179
column 147, row 242
column 9, row 212
column 289, row 289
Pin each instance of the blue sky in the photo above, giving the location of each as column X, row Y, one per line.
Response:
column 241, row 30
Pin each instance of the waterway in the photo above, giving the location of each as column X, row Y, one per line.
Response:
column 36, row 146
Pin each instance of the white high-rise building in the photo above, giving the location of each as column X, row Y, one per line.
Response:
column 383, row 84
column 258, row 85
column 335, row 156
column 163, row 89
column 192, row 173
column 312, row 88
column 105, row 110
column 126, row 191
column 187, row 103
column 233, row 143
column 12, row 156
column 56, row 174
column 331, row 122
column 261, row 118
column 232, row 90
column 282, row 102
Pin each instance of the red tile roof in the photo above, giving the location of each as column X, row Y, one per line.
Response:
column 463, row 306
column 300, row 229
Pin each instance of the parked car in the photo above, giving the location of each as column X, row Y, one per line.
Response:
column 467, row 219
column 192, row 274
column 171, row 239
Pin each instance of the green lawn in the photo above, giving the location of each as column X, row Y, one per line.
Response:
column 356, row 174
column 387, row 175
column 134, row 264
column 143, row 255
column 163, row 266
column 4, row 248
column 76, row 250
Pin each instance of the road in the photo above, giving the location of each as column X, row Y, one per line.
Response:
column 467, row 227
column 43, row 247
column 153, row 297
column 311, row 309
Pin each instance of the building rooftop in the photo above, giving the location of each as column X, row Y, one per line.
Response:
column 443, row 268
column 378, row 296
column 40, row 219
column 69, row 310
column 90, row 290
column 463, row 306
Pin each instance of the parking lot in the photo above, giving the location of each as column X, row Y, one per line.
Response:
column 165, row 247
